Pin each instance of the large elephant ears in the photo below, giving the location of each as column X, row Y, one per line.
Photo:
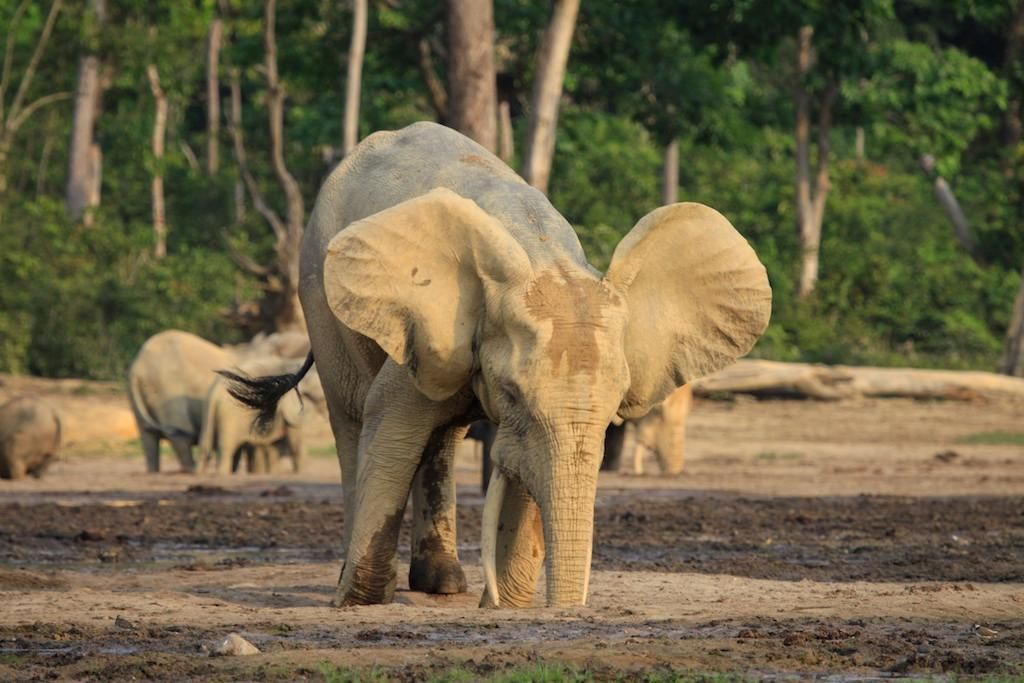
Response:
column 697, row 295
column 416, row 279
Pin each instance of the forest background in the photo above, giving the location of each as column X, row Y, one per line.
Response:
column 158, row 158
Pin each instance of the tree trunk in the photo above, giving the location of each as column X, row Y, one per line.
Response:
column 213, row 95
column 472, row 82
column 810, row 193
column 438, row 94
column 858, row 143
column 236, row 124
column 289, row 314
column 1012, row 127
column 547, row 91
column 353, row 81
column 1013, row 351
column 670, row 174
column 83, row 171
column 506, row 145
column 951, row 207
column 835, row 382
column 159, row 134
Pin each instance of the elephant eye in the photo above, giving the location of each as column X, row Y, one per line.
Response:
column 510, row 393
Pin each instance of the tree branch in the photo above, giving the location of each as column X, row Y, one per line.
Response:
column 250, row 183
column 30, row 70
column 5, row 75
column 15, row 123
column 243, row 261
column 438, row 95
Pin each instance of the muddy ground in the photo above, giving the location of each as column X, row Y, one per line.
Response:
column 804, row 539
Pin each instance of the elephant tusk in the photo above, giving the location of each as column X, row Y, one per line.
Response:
column 489, row 536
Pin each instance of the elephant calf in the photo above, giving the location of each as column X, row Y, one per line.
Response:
column 29, row 437
column 662, row 431
column 228, row 428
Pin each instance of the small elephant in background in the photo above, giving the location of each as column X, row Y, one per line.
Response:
column 29, row 437
column 229, row 431
column 661, row 431
column 167, row 386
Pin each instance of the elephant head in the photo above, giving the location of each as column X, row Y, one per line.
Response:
column 550, row 348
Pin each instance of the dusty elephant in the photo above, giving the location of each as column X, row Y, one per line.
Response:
column 662, row 431
column 167, row 386
column 440, row 288
column 228, row 429
column 29, row 437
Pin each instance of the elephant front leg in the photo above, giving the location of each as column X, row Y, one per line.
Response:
column 398, row 422
column 435, row 567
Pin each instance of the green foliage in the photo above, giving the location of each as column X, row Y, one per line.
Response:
column 919, row 77
column 929, row 101
column 604, row 179
column 994, row 438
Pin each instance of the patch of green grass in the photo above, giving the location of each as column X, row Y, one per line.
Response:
column 11, row 659
column 773, row 456
column 994, row 438
column 340, row 674
column 322, row 451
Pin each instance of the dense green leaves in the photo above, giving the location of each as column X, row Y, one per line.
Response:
column 918, row 77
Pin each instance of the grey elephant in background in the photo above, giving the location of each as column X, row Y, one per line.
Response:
column 229, row 432
column 440, row 288
column 29, row 437
column 167, row 386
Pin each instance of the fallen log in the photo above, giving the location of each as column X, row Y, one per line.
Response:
column 835, row 382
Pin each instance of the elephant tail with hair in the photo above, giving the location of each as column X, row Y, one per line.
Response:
column 263, row 393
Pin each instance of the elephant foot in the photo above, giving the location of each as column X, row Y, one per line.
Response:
column 368, row 585
column 436, row 573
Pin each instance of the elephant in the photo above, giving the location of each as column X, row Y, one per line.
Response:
column 167, row 386
column 228, row 428
column 29, row 437
column 440, row 288
column 661, row 431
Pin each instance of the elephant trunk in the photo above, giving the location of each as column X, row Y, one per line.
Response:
column 565, row 494
column 567, row 512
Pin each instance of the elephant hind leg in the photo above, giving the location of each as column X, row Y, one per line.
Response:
column 183, row 449
column 151, row 449
column 434, row 566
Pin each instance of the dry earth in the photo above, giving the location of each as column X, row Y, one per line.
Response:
column 804, row 539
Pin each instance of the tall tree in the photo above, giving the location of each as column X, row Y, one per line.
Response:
column 157, row 148
column 472, row 84
column 811, row 193
column 281, row 280
column 547, row 91
column 84, row 155
column 213, row 45
column 353, row 79
column 12, row 118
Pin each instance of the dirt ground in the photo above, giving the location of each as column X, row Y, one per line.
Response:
column 804, row 539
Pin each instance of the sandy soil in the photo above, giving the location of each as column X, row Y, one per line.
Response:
column 803, row 539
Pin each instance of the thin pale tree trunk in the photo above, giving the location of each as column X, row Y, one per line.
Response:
column 811, row 193
column 472, row 84
column 506, row 144
column 951, row 207
column 547, row 91
column 858, row 143
column 670, row 174
column 353, row 80
column 1013, row 352
column 159, row 135
column 236, row 124
column 438, row 93
column 83, row 169
column 213, row 45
